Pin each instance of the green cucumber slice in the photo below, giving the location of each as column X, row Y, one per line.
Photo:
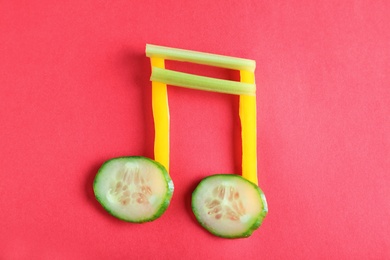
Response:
column 229, row 206
column 134, row 188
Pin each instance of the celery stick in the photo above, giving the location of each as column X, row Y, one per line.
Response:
column 200, row 58
column 182, row 79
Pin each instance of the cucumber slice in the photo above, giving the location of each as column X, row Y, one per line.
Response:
column 134, row 189
column 229, row 206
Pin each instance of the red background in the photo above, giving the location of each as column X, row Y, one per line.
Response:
column 75, row 91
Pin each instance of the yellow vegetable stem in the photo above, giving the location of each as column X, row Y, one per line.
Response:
column 161, row 117
column 247, row 113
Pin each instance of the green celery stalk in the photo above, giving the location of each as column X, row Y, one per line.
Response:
column 182, row 79
column 200, row 58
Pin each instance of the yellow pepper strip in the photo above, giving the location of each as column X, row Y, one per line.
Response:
column 161, row 117
column 247, row 111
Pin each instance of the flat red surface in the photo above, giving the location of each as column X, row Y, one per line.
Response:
column 75, row 91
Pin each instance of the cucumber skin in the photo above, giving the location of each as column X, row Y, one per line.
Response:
column 164, row 205
column 255, row 225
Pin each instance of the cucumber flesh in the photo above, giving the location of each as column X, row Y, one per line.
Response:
column 134, row 189
column 229, row 206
